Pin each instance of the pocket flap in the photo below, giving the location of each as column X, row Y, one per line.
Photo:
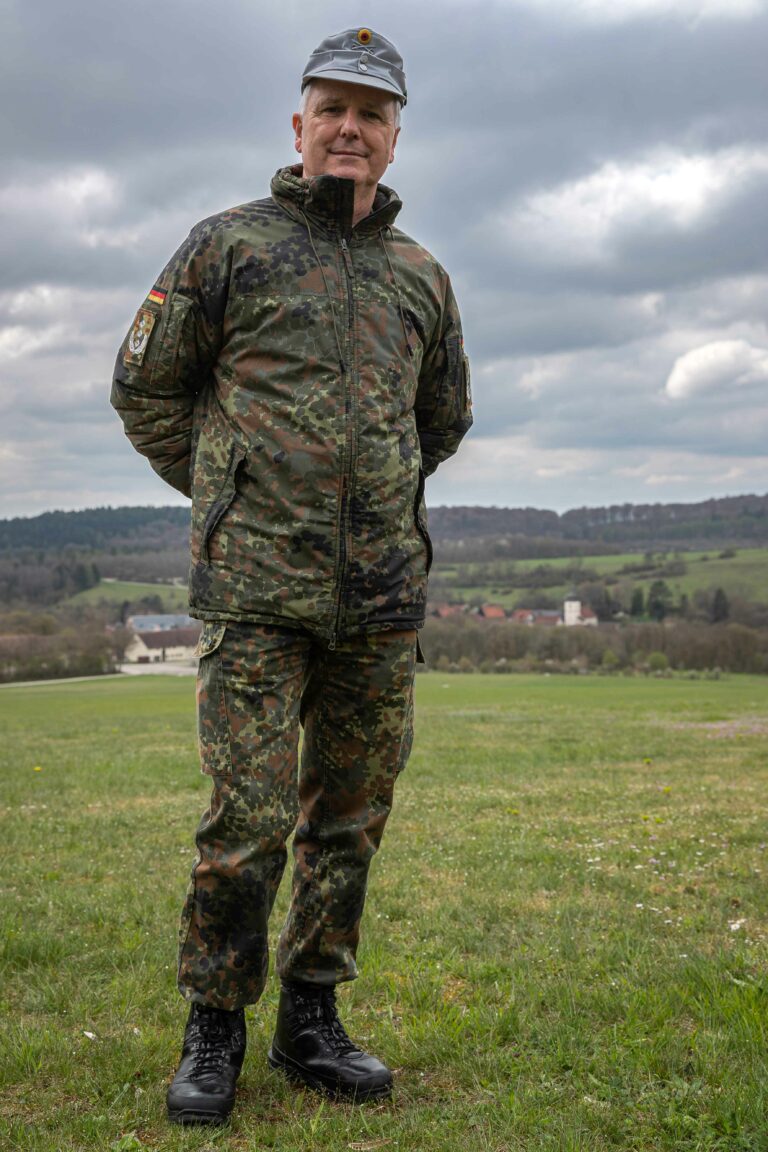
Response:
column 210, row 638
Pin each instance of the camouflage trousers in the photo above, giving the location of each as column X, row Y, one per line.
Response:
column 256, row 685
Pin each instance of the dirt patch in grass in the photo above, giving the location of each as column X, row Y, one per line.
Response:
column 725, row 729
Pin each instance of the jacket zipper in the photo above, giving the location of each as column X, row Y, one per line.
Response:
column 350, row 447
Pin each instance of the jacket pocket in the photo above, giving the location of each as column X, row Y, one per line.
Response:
column 420, row 518
column 222, row 502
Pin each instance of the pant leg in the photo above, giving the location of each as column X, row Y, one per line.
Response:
column 358, row 730
column 249, row 691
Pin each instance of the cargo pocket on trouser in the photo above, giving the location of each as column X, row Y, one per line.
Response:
column 212, row 719
column 406, row 741
column 394, row 708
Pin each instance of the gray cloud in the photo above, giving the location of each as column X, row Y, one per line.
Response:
column 592, row 174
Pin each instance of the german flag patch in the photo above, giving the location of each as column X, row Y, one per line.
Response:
column 157, row 296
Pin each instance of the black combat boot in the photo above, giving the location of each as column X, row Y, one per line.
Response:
column 310, row 1044
column 203, row 1089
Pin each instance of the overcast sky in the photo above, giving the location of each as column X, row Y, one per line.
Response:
column 592, row 173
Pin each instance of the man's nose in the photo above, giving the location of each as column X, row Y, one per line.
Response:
column 349, row 125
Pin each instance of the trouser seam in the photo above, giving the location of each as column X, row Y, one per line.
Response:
column 193, row 899
column 225, row 707
column 321, row 740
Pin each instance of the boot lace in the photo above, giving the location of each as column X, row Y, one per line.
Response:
column 210, row 1042
column 320, row 1012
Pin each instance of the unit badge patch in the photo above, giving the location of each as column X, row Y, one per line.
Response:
column 139, row 336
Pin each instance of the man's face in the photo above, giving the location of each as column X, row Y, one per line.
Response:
column 347, row 130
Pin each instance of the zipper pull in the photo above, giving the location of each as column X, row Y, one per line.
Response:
column 332, row 643
column 347, row 258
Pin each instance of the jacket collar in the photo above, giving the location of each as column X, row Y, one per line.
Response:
column 328, row 202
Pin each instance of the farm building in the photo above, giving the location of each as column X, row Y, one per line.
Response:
column 175, row 645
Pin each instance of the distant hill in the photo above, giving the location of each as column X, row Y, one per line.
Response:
column 741, row 520
column 736, row 520
column 97, row 528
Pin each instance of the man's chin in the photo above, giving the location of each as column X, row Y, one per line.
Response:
column 346, row 168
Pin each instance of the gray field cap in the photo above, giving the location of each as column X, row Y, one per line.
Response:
column 358, row 56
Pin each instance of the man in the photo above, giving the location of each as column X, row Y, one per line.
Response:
column 298, row 369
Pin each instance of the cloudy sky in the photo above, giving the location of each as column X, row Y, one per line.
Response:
column 592, row 173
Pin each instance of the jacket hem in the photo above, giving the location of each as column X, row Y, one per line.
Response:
column 403, row 624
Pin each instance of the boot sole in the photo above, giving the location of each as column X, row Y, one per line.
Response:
column 296, row 1072
column 189, row 1116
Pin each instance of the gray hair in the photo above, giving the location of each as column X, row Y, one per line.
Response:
column 305, row 99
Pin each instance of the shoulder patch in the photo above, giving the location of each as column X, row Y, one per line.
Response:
column 157, row 295
column 139, row 335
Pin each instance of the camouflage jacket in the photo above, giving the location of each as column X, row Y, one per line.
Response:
column 299, row 378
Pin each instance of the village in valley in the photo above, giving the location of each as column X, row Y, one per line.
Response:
column 160, row 638
column 573, row 613
column 661, row 589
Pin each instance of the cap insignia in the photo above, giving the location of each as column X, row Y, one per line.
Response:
column 365, row 36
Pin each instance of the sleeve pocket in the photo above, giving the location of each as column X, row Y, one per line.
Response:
column 466, row 387
column 168, row 356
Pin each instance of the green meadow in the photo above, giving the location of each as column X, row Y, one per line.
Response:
column 741, row 574
column 565, row 936
column 113, row 593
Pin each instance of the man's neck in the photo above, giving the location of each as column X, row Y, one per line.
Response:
column 363, row 204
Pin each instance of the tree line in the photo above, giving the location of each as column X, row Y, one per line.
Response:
column 470, row 644
column 616, row 526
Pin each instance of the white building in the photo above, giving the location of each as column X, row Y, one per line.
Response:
column 174, row 645
column 575, row 615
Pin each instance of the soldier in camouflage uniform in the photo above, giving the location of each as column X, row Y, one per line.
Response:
column 298, row 370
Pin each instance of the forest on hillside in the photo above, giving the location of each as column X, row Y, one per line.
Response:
column 737, row 520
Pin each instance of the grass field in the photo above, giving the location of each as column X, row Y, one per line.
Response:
column 175, row 598
column 565, row 937
column 742, row 575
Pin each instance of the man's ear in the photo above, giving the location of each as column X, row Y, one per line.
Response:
column 297, row 126
column 392, row 149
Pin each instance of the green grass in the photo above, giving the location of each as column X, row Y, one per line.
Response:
column 742, row 575
column 116, row 592
column 565, row 936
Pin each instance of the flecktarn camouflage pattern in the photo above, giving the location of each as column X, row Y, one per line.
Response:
column 357, row 709
column 299, row 378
